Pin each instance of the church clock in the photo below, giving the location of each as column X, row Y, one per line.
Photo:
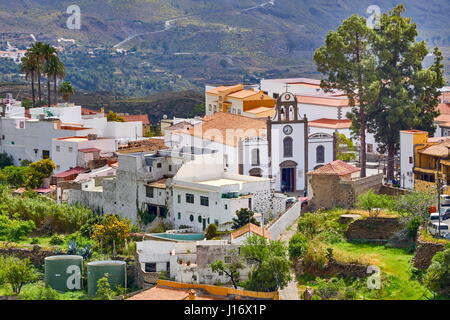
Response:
column 287, row 130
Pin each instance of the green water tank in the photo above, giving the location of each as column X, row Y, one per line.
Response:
column 116, row 270
column 63, row 273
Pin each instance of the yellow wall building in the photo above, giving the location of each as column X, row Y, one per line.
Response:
column 238, row 100
column 423, row 159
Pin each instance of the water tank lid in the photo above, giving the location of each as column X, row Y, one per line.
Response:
column 64, row 257
column 107, row 263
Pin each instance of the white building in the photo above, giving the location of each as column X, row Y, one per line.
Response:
column 205, row 194
column 71, row 152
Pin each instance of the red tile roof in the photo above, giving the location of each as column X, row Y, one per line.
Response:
column 137, row 117
column 331, row 123
column 250, row 227
column 86, row 111
column 335, row 168
column 323, row 100
column 70, row 172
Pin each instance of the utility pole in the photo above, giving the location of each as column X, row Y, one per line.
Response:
column 439, row 186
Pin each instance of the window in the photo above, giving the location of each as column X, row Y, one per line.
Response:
column 179, row 198
column 200, row 219
column 320, row 154
column 21, row 124
column 3, row 137
column 216, row 222
column 70, row 149
column 275, row 95
column 36, row 151
column 45, row 154
column 227, row 259
column 287, row 147
column 226, row 207
column 189, row 198
column 149, row 192
column 220, row 273
column 210, row 107
column 158, row 165
column 150, row 267
column 204, row 201
column 179, row 215
column 191, row 217
column 410, row 159
column 239, row 111
column 255, row 157
column 170, row 168
column 58, row 148
column 168, row 266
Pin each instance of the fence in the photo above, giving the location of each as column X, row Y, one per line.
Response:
column 278, row 226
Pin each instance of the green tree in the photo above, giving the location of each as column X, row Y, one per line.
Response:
column 370, row 200
column 415, row 205
column 18, row 272
column 50, row 64
column 38, row 171
column 30, row 68
column 405, row 95
column 66, row 90
column 36, row 56
column 345, row 149
column 348, row 63
column 54, row 69
column 15, row 176
column 437, row 277
column 112, row 116
column 270, row 269
column 5, row 160
column 112, row 231
column 244, row 216
column 14, row 229
column 231, row 270
column 297, row 246
column 211, row 231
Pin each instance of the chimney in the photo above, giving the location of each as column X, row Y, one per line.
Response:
column 191, row 294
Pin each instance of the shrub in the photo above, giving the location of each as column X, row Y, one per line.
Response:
column 14, row 229
column 39, row 291
column 34, row 241
column 297, row 246
column 437, row 277
column 112, row 231
column 370, row 200
column 56, row 240
column 211, row 232
column 17, row 272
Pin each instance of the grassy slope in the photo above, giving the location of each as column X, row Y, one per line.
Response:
column 392, row 261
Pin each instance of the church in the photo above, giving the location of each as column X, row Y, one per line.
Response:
column 279, row 147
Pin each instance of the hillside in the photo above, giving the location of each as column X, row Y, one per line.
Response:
column 185, row 44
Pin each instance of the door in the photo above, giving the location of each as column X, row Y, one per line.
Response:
column 204, row 224
column 288, row 179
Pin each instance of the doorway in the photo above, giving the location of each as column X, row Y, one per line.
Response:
column 288, row 177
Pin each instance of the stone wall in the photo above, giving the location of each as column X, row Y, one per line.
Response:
column 278, row 226
column 36, row 256
column 334, row 268
column 330, row 191
column 373, row 229
column 425, row 251
column 391, row 191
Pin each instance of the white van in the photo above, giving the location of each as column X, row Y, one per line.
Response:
column 433, row 228
column 445, row 200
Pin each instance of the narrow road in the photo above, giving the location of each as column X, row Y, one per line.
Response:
column 290, row 292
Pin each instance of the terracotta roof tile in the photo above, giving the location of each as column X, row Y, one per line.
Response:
column 228, row 128
column 324, row 100
column 335, row 168
column 250, row 227
column 137, row 117
column 331, row 123
column 438, row 150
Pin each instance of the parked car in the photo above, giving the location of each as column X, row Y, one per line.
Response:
column 447, row 236
column 445, row 200
column 445, row 213
column 434, row 217
column 433, row 228
column 290, row 201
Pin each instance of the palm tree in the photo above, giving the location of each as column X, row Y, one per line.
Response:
column 36, row 56
column 29, row 68
column 66, row 90
column 55, row 68
column 48, row 52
